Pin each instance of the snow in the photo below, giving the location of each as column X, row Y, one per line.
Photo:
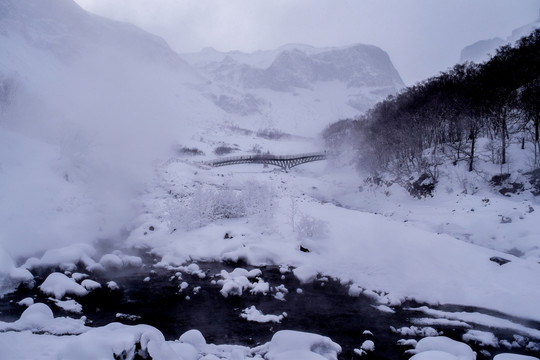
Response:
column 90, row 284
column 237, row 281
column 290, row 345
column 58, row 285
column 112, row 285
column 508, row 356
column 68, row 305
column 97, row 107
column 194, row 338
column 67, row 257
column 39, row 318
column 481, row 319
column 26, row 301
column 111, row 261
column 255, row 315
column 116, row 339
column 442, row 347
column 483, row 338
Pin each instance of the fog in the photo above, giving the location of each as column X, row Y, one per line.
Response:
column 422, row 37
column 85, row 118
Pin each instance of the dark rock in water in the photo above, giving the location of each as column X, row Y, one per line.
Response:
column 177, row 300
column 499, row 260
column 534, row 178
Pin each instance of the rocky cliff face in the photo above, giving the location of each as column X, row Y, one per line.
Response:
column 364, row 72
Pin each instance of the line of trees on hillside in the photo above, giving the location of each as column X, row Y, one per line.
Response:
column 442, row 118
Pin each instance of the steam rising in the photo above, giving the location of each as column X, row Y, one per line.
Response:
column 88, row 116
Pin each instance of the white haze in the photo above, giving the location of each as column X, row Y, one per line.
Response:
column 422, row 37
column 92, row 104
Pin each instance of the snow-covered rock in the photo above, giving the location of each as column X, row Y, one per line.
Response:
column 292, row 345
column 39, row 318
column 441, row 347
column 118, row 340
column 255, row 315
column 58, row 285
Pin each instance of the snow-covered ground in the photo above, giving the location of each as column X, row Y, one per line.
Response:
column 379, row 242
column 103, row 135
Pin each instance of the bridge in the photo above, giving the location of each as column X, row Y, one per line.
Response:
column 284, row 161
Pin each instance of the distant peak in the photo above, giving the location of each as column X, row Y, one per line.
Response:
column 208, row 50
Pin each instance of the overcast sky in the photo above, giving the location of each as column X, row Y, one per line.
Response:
column 422, row 37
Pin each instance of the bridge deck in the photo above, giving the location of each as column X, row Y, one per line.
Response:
column 284, row 161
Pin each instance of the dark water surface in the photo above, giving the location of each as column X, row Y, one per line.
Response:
column 323, row 307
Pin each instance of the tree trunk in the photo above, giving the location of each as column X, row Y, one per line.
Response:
column 503, row 138
column 471, row 159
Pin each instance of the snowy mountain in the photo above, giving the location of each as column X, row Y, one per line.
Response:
column 261, row 82
column 481, row 50
column 118, row 240
column 104, row 99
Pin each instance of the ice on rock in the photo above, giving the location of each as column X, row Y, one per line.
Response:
column 442, row 348
column 293, row 345
column 58, row 285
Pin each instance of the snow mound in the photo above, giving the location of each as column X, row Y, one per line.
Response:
column 39, row 318
column 292, row 345
column 66, row 257
column 58, row 285
column 90, row 284
column 238, row 281
column 507, row 356
column 194, row 338
column 118, row 341
column 442, row 348
column 254, row 314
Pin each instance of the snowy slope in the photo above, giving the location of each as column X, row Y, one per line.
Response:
column 299, row 82
column 86, row 105
column 92, row 116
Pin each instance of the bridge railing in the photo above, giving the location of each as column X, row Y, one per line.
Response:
column 264, row 157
